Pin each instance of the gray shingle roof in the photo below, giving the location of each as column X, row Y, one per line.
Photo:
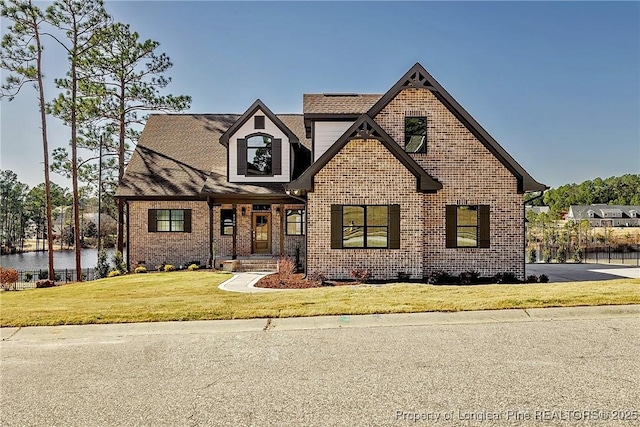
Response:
column 178, row 153
column 579, row 212
column 345, row 103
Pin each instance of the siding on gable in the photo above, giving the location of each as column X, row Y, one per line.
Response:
column 470, row 175
column 270, row 129
column 325, row 134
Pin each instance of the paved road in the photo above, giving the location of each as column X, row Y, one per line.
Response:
column 534, row 367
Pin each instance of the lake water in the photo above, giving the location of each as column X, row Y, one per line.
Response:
column 61, row 260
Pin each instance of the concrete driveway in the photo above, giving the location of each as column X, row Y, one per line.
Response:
column 583, row 272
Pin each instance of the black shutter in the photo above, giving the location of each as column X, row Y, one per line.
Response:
column 187, row 220
column 394, row 227
column 484, row 235
column 452, row 226
column 242, row 156
column 151, row 221
column 336, row 226
column 276, row 156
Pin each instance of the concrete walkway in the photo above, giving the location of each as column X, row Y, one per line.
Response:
column 244, row 282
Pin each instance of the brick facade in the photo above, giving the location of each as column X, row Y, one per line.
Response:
column 365, row 172
column 153, row 249
column 470, row 174
column 179, row 248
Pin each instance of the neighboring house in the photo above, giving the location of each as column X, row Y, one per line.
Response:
column 537, row 209
column 403, row 183
column 605, row 215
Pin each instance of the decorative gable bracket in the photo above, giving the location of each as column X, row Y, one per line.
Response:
column 365, row 131
column 417, row 79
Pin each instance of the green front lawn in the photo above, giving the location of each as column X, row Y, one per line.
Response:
column 194, row 295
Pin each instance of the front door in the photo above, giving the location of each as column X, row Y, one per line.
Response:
column 262, row 233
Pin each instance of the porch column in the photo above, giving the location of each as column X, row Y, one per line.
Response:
column 234, row 248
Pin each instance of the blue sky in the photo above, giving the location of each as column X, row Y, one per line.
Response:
column 556, row 83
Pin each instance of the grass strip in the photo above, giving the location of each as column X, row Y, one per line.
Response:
column 194, row 295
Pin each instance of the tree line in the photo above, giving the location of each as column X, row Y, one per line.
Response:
column 112, row 81
column 615, row 190
column 23, row 210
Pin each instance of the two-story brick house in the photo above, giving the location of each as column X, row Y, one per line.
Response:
column 403, row 182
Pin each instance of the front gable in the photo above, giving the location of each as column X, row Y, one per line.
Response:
column 365, row 128
column 259, row 147
column 417, row 90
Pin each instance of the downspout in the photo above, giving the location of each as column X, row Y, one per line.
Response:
column 306, row 226
column 524, row 229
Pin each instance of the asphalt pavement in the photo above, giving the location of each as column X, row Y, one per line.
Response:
column 583, row 272
column 541, row 367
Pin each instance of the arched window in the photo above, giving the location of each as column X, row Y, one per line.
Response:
column 259, row 160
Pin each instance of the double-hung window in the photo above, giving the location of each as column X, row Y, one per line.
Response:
column 467, row 226
column 294, row 219
column 365, row 226
column 169, row 220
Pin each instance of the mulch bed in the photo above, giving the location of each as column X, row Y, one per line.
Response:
column 296, row 281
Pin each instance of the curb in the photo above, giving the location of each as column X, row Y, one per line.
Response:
column 119, row 331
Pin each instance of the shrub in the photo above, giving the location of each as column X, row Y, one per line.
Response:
column 469, row 277
column 360, row 275
column 317, row 278
column 193, row 267
column 440, row 277
column 140, row 269
column 531, row 255
column 543, row 278
column 197, row 263
column 118, row 262
column 286, row 267
column 43, row 275
column 45, row 283
column 169, row 267
column 505, row 278
column 102, row 268
column 8, row 278
column 561, row 256
column 577, row 256
column 114, row 273
column 546, row 256
column 28, row 276
column 532, row 279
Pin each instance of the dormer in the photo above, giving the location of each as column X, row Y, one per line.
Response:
column 259, row 147
column 633, row 213
column 590, row 213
